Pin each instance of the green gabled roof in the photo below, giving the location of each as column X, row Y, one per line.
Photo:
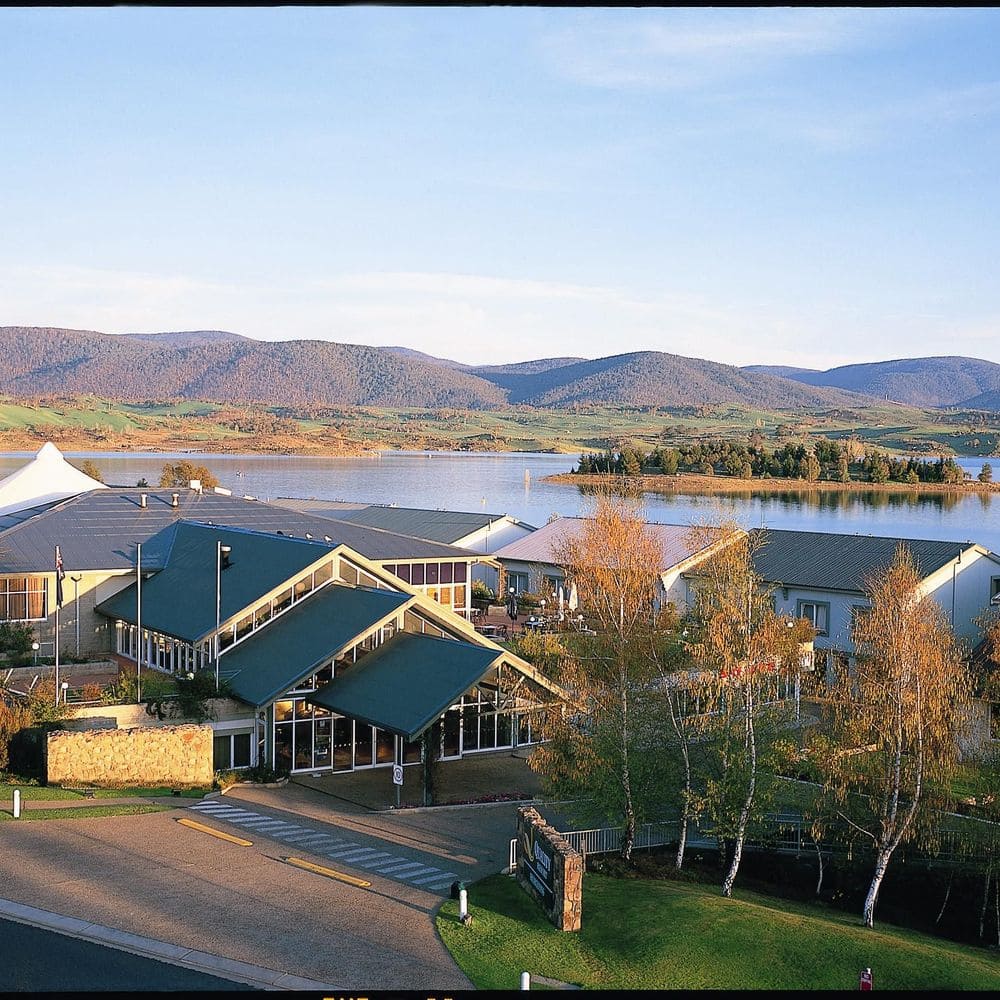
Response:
column 407, row 683
column 291, row 647
column 180, row 599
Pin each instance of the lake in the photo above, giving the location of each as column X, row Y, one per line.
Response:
column 512, row 484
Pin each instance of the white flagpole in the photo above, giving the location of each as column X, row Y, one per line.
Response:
column 57, row 627
column 138, row 620
column 218, row 606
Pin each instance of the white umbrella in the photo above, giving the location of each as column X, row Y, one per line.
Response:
column 572, row 602
column 560, row 598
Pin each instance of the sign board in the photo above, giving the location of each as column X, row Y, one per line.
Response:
column 397, row 774
column 866, row 980
column 549, row 870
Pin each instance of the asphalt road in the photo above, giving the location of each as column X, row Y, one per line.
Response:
column 35, row 960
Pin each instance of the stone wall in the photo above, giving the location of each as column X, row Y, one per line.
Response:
column 176, row 756
column 549, row 870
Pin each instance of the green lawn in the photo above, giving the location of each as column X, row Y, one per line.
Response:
column 54, row 792
column 85, row 812
column 642, row 934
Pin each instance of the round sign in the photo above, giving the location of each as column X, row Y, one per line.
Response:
column 397, row 774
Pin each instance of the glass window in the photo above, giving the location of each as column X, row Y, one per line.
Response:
column 363, row 745
column 262, row 614
column 459, row 601
column 303, row 587
column 323, row 573
column 445, row 596
column 24, row 598
column 241, row 750
column 282, row 711
column 222, row 758
column 417, row 574
column 390, row 568
column 244, row 626
column 283, row 600
column 283, row 747
column 385, row 747
column 225, row 638
column 303, row 745
column 470, row 729
column 348, row 573
column 431, row 574
column 403, row 572
column 322, row 743
column 343, row 744
column 461, row 572
column 303, row 710
column 519, row 581
column 447, row 572
column 817, row 614
column 324, row 675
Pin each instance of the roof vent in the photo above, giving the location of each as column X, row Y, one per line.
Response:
column 195, row 484
column 308, row 535
column 174, row 499
column 327, row 538
column 142, row 500
column 224, row 553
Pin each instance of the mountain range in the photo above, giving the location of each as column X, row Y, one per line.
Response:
column 228, row 367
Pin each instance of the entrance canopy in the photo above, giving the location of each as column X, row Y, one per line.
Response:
column 407, row 683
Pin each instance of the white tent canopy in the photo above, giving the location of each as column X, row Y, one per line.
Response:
column 47, row 477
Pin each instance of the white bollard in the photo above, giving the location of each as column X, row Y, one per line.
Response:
column 17, row 803
column 525, row 980
column 463, row 904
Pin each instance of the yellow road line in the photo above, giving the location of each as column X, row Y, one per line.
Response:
column 215, row 833
column 328, row 872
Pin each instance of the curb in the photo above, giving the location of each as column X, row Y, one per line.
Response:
column 135, row 944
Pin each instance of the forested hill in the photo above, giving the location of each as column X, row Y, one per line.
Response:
column 650, row 378
column 944, row 381
column 295, row 372
column 231, row 368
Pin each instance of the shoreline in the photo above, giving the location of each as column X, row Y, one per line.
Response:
column 697, row 484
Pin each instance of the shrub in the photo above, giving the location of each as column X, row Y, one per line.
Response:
column 481, row 592
column 226, row 779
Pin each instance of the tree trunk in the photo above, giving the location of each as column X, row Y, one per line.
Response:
column 685, row 811
column 819, row 858
column 744, row 820
column 947, row 896
column 881, row 864
column 986, row 897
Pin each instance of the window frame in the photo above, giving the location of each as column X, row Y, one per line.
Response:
column 816, row 605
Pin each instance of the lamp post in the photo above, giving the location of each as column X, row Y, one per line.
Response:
column 221, row 553
column 34, row 649
column 76, row 604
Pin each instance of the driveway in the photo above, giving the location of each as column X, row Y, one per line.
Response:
column 151, row 876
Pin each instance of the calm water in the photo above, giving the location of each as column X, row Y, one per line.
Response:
column 512, row 484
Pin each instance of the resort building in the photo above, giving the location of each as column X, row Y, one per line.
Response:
column 482, row 533
column 532, row 564
column 100, row 534
column 340, row 664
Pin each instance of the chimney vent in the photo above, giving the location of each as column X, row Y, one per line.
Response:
column 174, row 499
column 142, row 500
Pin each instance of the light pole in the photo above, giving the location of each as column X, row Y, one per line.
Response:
column 221, row 553
column 34, row 649
column 76, row 604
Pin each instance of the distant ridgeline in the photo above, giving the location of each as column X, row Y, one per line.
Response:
column 844, row 462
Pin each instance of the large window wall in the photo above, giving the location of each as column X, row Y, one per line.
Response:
column 445, row 582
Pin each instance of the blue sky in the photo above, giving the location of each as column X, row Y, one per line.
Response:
column 808, row 187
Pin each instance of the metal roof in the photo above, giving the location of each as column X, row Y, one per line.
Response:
column 407, row 683
column 305, row 637
column 677, row 542
column 98, row 530
column 828, row 561
column 179, row 600
column 436, row 525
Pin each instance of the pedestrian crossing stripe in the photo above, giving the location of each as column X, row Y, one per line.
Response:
column 413, row 873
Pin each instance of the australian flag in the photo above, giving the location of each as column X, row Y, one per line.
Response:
column 60, row 573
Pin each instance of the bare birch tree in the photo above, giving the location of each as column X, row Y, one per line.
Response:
column 898, row 717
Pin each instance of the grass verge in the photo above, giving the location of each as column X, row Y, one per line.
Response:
column 53, row 793
column 641, row 934
column 86, row 812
